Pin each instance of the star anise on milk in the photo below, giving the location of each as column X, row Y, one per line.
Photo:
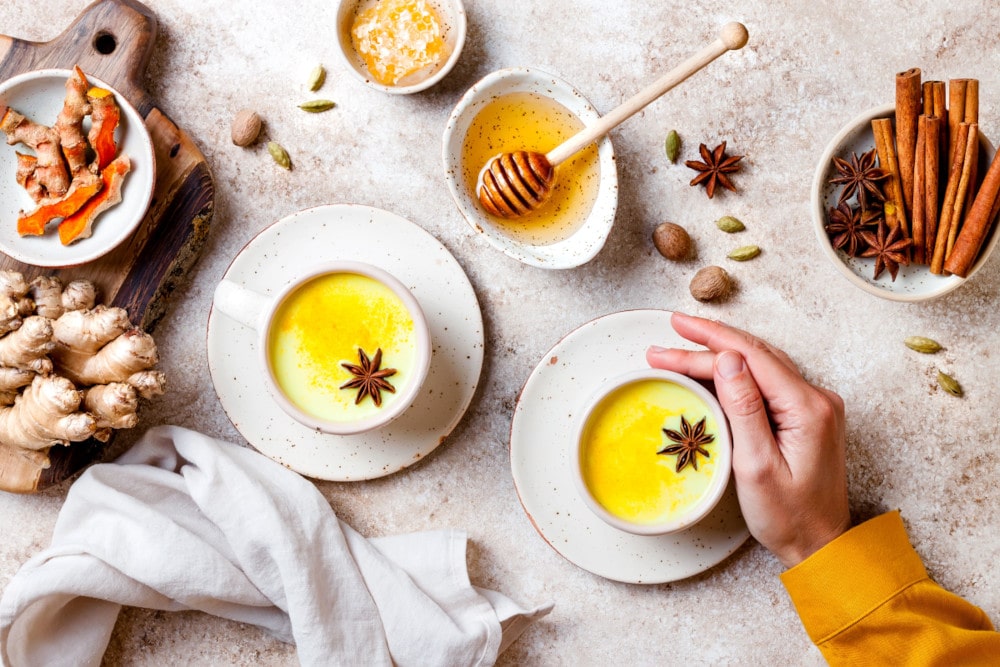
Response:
column 714, row 168
column 860, row 176
column 888, row 247
column 846, row 224
column 688, row 443
column 369, row 379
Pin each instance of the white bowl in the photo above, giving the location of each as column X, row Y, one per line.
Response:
column 913, row 283
column 721, row 448
column 452, row 16
column 39, row 95
column 586, row 241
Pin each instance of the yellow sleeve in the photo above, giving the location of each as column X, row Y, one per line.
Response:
column 865, row 598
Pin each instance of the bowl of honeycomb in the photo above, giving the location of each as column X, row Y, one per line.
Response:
column 400, row 46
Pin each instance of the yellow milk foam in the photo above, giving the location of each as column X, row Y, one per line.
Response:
column 321, row 325
column 619, row 448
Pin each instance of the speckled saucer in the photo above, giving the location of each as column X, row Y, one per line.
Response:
column 432, row 274
column 541, row 442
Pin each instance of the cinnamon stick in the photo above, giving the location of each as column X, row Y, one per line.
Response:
column 954, row 198
column 908, row 107
column 977, row 223
column 971, row 116
column 919, row 192
column 956, row 111
column 939, row 108
column 885, row 148
column 969, row 163
column 932, row 170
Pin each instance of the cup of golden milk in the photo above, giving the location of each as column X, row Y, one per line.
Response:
column 653, row 452
column 344, row 348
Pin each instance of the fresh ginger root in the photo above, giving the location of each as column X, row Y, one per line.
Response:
column 46, row 414
column 69, row 369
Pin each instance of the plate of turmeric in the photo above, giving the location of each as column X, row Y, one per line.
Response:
column 77, row 177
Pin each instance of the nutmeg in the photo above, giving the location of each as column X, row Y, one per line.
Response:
column 672, row 241
column 711, row 283
column 245, row 128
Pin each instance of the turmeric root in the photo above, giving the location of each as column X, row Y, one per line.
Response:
column 26, row 178
column 46, row 414
column 69, row 125
column 79, row 193
column 79, row 224
column 50, row 171
column 105, row 117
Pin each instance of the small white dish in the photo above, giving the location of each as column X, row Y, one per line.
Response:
column 914, row 283
column 541, row 442
column 39, row 95
column 721, row 452
column 451, row 14
column 584, row 244
column 433, row 276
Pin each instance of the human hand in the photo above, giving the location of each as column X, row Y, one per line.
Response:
column 788, row 436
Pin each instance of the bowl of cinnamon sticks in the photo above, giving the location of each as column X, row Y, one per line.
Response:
column 905, row 197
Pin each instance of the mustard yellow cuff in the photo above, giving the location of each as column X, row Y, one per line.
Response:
column 853, row 575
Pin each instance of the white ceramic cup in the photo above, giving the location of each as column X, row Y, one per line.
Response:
column 257, row 311
column 721, row 453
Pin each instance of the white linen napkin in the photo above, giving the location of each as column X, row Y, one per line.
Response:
column 183, row 521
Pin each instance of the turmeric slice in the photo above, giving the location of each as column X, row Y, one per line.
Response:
column 50, row 171
column 79, row 193
column 105, row 116
column 79, row 224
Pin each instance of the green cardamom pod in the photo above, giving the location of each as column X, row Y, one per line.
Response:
column 316, row 78
column 949, row 384
column 744, row 253
column 279, row 154
column 922, row 344
column 317, row 106
column 729, row 224
column 673, row 145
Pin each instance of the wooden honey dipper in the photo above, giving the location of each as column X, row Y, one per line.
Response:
column 513, row 184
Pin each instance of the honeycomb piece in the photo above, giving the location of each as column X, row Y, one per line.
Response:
column 397, row 38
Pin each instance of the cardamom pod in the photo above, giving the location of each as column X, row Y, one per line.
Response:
column 317, row 106
column 949, row 384
column 316, row 78
column 673, row 145
column 279, row 155
column 744, row 253
column 922, row 345
column 729, row 224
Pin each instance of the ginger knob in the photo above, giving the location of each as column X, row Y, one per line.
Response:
column 245, row 128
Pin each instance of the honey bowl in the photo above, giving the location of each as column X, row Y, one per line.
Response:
column 344, row 348
column 400, row 46
column 529, row 109
column 653, row 452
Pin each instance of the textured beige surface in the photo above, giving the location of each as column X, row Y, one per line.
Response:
column 809, row 68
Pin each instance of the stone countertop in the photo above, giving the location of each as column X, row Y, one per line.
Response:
column 808, row 69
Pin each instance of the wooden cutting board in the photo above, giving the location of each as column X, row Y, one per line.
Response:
column 113, row 40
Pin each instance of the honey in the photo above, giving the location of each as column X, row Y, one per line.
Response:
column 321, row 325
column 398, row 39
column 619, row 460
column 533, row 122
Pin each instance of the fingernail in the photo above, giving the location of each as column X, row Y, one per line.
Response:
column 729, row 364
column 656, row 349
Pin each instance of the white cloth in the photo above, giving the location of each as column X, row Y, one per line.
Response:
column 183, row 521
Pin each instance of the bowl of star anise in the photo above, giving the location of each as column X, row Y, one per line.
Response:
column 909, row 236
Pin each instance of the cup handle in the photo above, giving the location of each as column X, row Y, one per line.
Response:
column 241, row 304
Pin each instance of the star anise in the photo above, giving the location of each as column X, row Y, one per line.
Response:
column 369, row 380
column 688, row 443
column 888, row 247
column 847, row 223
column 860, row 176
column 714, row 168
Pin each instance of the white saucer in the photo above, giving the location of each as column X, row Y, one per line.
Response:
column 540, row 459
column 383, row 239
